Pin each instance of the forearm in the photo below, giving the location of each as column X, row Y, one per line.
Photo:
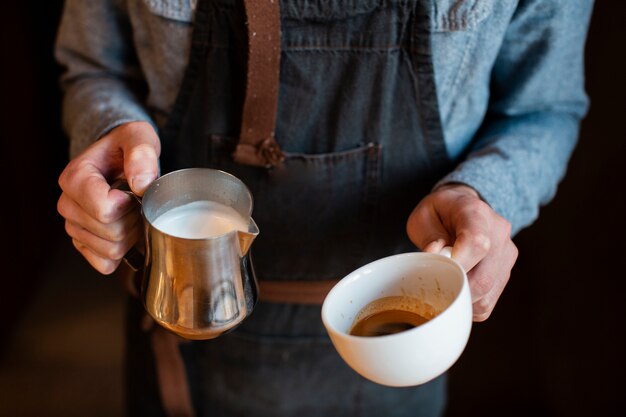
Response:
column 94, row 106
column 102, row 80
column 537, row 101
column 520, row 163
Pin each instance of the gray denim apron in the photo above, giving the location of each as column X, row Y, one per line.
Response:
column 359, row 125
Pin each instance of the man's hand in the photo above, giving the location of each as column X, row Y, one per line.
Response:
column 103, row 222
column 454, row 215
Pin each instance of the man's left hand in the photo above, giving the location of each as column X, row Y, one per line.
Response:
column 454, row 215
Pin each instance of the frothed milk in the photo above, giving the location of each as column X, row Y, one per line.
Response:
column 200, row 220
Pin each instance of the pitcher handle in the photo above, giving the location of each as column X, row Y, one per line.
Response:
column 134, row 258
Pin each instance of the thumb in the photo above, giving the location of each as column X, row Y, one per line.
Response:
column 141, row 149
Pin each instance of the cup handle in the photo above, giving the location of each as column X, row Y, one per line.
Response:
column 446, row 251
column 134, row 258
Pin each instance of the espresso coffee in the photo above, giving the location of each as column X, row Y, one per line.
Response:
column 200, row 220
column 390, row 315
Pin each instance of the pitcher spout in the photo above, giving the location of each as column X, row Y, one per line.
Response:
column 246, row 238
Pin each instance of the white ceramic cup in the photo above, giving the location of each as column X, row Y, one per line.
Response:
column 414, row 356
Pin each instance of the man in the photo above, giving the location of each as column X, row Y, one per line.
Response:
column 459, row 116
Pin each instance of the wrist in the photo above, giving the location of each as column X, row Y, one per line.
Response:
column 459, row 188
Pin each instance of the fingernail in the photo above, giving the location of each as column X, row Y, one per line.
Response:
column 141, row 182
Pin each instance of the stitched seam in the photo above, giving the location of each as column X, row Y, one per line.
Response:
column 469, row 47
column 338, row 48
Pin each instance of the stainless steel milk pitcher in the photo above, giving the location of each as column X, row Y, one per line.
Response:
column 198, row 288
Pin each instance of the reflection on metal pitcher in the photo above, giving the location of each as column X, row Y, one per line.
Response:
column 198, row 288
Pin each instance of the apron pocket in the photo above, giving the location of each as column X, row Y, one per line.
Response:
column 326, row 10
column 315, row 212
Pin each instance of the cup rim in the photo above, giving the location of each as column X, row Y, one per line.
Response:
column 357, row 273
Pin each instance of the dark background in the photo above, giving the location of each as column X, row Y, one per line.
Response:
column 555, row 344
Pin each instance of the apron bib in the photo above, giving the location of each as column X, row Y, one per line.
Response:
column 355, row 120
column 359, row 126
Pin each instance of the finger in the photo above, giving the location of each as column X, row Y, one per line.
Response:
column 141, row 150
column 435, row 246
column 470, row 247
column 103, row 265
column 83, row 183
column 105, row 248
column 114, row 231
column 473, row 235
column 425, row 230
column 482, row 309
column 488, row 280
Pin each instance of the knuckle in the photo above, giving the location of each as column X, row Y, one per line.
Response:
column 115, row 252
column 107, row 267
column 483, row 305
column 482, row 284
column 66, row 174
column 116, row 233
column 73, row 167
column 141, row 152
column 102, row 265
column 106, row 213
column 482, row 316
column 503, row 227
column 79, row 246
column 121, row 232
column 61, row 207
column 481, row 242
column 101, row 214
column 143, row 149
column 507, row 226
column 103, row 210
column 69, row 229
column 482, row 309
column 62, row 181
column 477, row 206
column 514, row 252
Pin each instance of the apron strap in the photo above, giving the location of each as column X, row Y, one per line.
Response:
column 174, row 389
column 257, row 145
column 171, row 375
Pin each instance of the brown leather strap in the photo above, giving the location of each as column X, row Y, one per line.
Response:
column 171, row 375
column 257, row 145
column 170, row 368
column 295, row 292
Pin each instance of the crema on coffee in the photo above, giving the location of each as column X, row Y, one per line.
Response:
column 389, row 315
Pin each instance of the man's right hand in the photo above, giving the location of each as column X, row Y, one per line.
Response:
column 104, row 222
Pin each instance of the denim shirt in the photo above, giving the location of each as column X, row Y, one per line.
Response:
column 508, row 77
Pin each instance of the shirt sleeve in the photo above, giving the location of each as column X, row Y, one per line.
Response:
column 537, row 101
column 102, row 82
